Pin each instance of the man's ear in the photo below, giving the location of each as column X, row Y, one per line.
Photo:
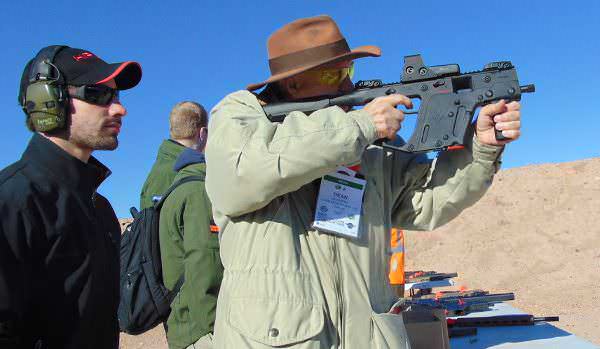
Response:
column 202, row 138
column 203, row 133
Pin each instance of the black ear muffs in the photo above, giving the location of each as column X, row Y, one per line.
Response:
column 43, row 93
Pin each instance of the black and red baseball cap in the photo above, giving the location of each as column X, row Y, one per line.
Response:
column 82, row 67
column 76, row 67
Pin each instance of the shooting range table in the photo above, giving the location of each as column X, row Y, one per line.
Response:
column 541, row 335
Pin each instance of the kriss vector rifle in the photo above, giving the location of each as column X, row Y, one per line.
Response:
column 448, row 100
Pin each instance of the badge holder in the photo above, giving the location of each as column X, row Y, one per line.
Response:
column 339, row 205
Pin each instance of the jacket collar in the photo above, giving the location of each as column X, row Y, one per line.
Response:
column 188, row 157
column 63, row 167
column 170, row 149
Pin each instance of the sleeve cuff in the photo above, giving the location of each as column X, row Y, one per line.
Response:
column 365, row 122
column 487, row 153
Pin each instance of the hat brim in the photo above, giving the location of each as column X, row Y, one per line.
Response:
column 359, row 52
column 126, row 75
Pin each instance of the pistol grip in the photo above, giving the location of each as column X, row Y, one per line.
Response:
column 499, row 135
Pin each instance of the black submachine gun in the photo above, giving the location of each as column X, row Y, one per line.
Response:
column 448, row 97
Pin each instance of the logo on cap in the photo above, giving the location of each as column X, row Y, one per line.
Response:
column 83, row 55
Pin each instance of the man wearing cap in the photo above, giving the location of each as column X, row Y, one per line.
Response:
column 59, row 238
column 288, row 281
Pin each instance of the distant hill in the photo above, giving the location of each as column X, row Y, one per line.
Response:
column 536, row 233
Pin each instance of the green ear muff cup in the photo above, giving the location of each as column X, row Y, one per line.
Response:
column 46, row 106
column 42, row 92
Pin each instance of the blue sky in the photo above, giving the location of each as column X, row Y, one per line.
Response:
column 203, row 50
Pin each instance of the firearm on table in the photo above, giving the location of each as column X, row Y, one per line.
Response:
column 448, row 100
column 500, row 320
column 467, row 326
column 424, row 276
column 455, row 294
column 460, row 303
column 421, row 282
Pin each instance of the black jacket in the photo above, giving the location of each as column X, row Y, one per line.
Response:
column 59, row 253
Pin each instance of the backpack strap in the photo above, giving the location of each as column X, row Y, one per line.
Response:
column 158, row 206
column 178, row 285
column 173, row 186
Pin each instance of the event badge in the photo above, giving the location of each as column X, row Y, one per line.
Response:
column 339, row 204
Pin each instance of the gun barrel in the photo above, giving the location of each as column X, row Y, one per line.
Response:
column 528, row 88
column 490, row 298
column 431, row 276
column 501, row 320
column 442, row 276
column 546, row 318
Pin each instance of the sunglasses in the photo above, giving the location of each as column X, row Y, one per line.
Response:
column 96, row 94
column 332, row 76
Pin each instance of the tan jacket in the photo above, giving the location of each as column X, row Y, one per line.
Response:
column 286, row 283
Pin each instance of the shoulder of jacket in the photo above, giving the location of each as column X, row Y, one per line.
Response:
column 241, row 98
column 102, row 199
column 17, row 188
column 190, row 188
column 11, row 171
column 14, row 179
column 190, row 191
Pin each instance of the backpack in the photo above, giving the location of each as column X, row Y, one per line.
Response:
column 145, row 301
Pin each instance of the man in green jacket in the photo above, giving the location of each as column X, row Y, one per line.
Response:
column 182, row 135
column 189, row 246
column 289, row 281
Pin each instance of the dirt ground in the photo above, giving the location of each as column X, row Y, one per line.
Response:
column 535, row 233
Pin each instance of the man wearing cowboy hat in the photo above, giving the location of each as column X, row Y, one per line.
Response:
column 292, row 277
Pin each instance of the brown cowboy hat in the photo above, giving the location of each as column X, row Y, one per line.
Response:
column 308, row 43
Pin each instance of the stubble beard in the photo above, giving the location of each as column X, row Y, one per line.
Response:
column 96, row 142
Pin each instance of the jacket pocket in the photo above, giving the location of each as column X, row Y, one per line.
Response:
column 275, row 322
column 388, row 331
